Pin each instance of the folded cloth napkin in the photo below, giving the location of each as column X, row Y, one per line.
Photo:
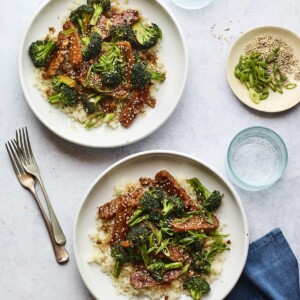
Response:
column 271, row 271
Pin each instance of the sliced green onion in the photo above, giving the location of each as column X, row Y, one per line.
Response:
column 254, row 96
column 291, row 86
column 69, row 31
column 108, row 118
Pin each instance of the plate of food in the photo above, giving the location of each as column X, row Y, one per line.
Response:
column 263, row 69
column 101, row 73
column 160, row 224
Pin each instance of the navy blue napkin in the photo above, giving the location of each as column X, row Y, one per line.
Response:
column 271, row 271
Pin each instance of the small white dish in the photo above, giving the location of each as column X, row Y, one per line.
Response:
column 173, row 53
column 275, row 102
column 148, row 163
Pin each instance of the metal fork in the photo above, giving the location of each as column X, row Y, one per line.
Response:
column 28, row 161
column 28, row 182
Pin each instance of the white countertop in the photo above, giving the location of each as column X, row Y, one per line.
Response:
column 203, row 124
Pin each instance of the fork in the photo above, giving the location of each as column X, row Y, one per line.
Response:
column 29, row 164
column 28, row 182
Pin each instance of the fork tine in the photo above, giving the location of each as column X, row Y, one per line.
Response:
column 19, row 155
column 27, row 155
column 12, row 161
column 29, row 145
column 17, row 163
column 21, row 146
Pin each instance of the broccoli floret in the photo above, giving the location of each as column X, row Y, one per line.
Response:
column 148, row 203
column 122, row 32
column 142, row 76
column 197, row 286
column 157, row 193
column 173, row 205
column 155, row 216
column 100, row 6
column 90, row 102
column 81, row 16
column 92, row 45
column 120, row 256
column 157, row 268
column 61, row 80
column 193, row 240
column 39, row 52
column 202, row 261
column 110, row 66
column 66, row 97
column 138, row 236
column 114, row 77
column 211, row 200
column 147, row 36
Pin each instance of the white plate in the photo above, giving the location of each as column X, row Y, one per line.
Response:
column 275, row 102
column 148, row 164
column 173, row 52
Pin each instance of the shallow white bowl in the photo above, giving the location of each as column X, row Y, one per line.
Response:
column 275, row 102
column 173, row 53
column 231, row 213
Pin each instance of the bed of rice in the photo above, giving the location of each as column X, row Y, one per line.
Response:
column 101, row 256
column 77, row 113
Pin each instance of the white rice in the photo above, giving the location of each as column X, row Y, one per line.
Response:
column 77, row 112
column 102, row 256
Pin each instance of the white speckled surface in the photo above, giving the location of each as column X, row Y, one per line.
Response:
column 204, row 123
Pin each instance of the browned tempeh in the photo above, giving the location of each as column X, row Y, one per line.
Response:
column 109, row 209
column 145, row 181
column 140, row 278
column 196, row 223
column 127, row 56
column 128, row 16
column 120, row 227
column 134, row 107
column 75, row 52
column 59, row 57
column 169, row 184
column 177, row 253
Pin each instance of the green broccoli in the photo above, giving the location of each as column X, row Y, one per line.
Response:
column 61, row 80
column 39, row 52
column 92, row 45
column 138, row 236
column 120, row 256
column 157, row 268
column 147, row 36
column 100, row 6
column 90, row 102
column 114, row 77
column 197, row 286
column 202, row 261
column 193, row 240
column 81, row 16
column 157, row 193
column 142, row 76
column 66, row 97
column 173, row 205
column 155, row 216
column 122, row 32
column 110, row 66
column 211, row 200
column 148, row 203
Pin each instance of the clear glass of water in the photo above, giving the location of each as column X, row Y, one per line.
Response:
column 192, row 4
column 257, row 157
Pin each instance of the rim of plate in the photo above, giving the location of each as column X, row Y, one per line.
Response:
column 134, row 140
column 175, row 153
column 229, row 75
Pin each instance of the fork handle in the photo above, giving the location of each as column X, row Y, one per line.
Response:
column 57, row 231
column 60, row 252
